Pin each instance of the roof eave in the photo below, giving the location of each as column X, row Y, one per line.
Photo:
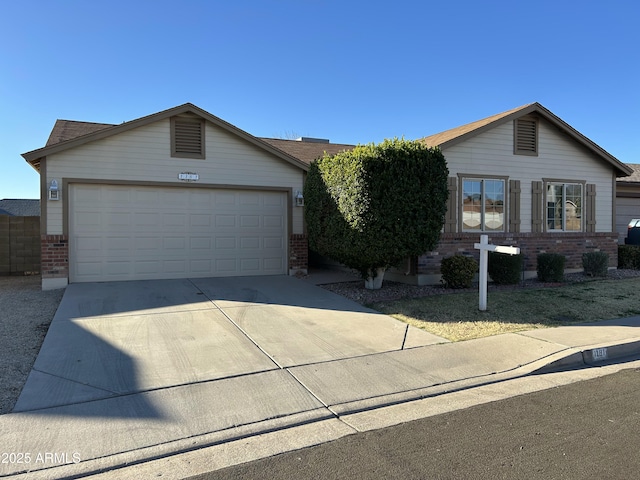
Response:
column 622, row 169
column 33, row 156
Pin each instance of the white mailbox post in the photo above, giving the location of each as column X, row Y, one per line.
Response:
column 485, row 248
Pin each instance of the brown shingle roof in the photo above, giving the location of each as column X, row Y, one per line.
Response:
column 456, row 135
column 67, row 129
column 305, row 150
column 634, row 177
column 59, row 141
column 440, row 138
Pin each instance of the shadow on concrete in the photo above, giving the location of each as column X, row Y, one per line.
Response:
column 74, row 376
column 274, row 290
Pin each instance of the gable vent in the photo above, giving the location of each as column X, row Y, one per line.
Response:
column 526, row 137
column 187, row 137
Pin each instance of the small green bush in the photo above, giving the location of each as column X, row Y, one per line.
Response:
column 551, row 267
column 595, row 264
column 629, row 256
column 458, row 271
column 505, row 269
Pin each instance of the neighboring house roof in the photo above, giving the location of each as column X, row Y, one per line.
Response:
column 456, row 135
column 61, row 140
column 17, row 207
column 634, row 177
column 307, row 150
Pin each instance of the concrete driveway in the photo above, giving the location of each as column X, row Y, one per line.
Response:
column 134, row 371
column 109, row 340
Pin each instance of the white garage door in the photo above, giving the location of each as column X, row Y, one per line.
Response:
column 626, row 209
column 135, row 233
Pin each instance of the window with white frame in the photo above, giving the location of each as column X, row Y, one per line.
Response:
column 483, row 204
column 564, row 206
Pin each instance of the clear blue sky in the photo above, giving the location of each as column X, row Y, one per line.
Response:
column 350, row 71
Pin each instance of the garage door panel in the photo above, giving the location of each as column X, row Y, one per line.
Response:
column 249, row 265
column 117, row 268
column 89, row 245
column 87, row 193
column 118, row 245
column 200, row 243
column 273, row 221
column 115, row 219
column 225, row 243
column 146, row 197
column 225, row 265
column 273, row 264
column 249, row 243
column 225, row 221
column 171, row 220
column 250, row 221
column 273, row 242
column 146, row 245
column 202, row 265
column 224, row 198
column 175, row 266
column 89, row 269
column 274, row 199
column 174, row 243
column 160, row 232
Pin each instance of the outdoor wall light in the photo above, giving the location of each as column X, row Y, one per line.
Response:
column 54, row 193
column 299, row 199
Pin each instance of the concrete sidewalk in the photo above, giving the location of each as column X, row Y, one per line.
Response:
column 128, row 398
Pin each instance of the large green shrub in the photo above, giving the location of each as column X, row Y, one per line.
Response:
column 505, row 269
column 595, row 264
column 551, row 267
column 458, row 271
column 376, row 205
column 629, row 256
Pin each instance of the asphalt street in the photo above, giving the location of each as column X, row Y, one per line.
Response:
column 589, row 429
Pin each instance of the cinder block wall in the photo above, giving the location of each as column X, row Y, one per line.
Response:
column 19, row 245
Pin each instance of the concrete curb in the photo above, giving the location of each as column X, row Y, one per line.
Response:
column 593, row 356
column 315, row 422
column 186, row 457
column 130, row 458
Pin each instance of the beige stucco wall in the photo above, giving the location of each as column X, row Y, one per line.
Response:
column 143, row 155
column 559, row 157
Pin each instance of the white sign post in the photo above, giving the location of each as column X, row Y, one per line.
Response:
column 485, row 248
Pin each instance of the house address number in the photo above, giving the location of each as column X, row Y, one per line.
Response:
column 188, row 177
column 599, row 354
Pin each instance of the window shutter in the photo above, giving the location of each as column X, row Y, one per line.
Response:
column 536, row 207
column 590, row 205
column 514, row 206
column 187, row 137
column 450, row 218
column 526, row 137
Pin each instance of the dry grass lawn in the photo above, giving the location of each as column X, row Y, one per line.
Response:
column 456, row 316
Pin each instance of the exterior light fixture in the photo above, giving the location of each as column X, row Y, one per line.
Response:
column 54, row 193
column 299, row 199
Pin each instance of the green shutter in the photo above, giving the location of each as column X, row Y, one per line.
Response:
column 450, row 218
column 514, row 206
column 536, row 207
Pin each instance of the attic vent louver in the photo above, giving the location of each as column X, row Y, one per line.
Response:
column 187, row 137
column 526, row 137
